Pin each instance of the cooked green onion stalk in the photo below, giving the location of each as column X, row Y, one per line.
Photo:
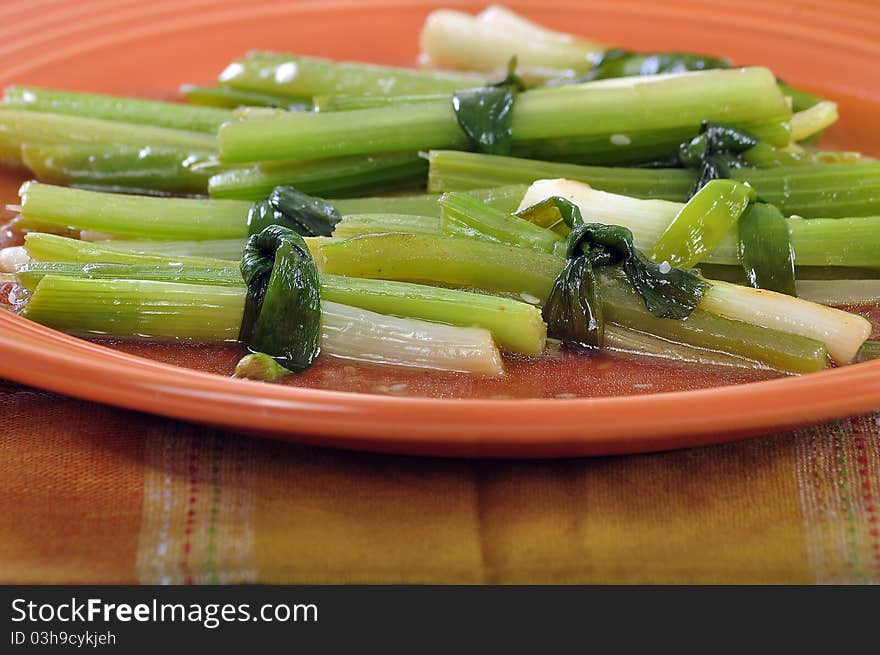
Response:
column 840, row 292
column 465, row 215
column 360, row 335
column 809, row 190
column 305, row 77
column 260, row 367
column 332, row 178
column 340, row 102
column 116, row 108
column 30, row 273
column 224, row 249
column 580, row 114
column 282, row 314
column 765, row 250
column 54, row 248
column 869, row 350
column 122, row 168
column 453, row 170
column 841, row 332
column 818, row 190
column 30, row 127
column 133, row 216
column 137, row 308
column 702, row 223
column 841, row 242
column 763, row 155
column 48, row 207
column 486, row 42
column 516, row 326
column 229, row 98
column 304, row 214
column 355, row 225
column 782, row 351
column 172, row 311
column 463, row 262
column 485, row 114
column 809, row 122
column 626, row 340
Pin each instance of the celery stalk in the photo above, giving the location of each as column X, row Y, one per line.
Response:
column 516, row 326
column 662, row 103
column 116, row 108
column 332, row 178
column 121, row 168
column 809, row 190
column 168, row 310
column 305, row 77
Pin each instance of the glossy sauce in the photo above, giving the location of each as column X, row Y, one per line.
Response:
column 566, row 375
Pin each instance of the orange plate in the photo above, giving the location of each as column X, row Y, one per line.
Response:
column 149, row 48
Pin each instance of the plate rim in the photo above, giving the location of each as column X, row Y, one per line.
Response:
column 520, row 428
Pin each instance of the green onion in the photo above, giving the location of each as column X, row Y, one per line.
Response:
column 331, row 178
column 701, row 224
column 223, row 249
column 28, row 127
column 464, row 215
column 497, row 268
column 355, row 225
column 818, row 190
column 851, row 242
column 121, row 168
column 305, row 77
column 841, row 332
column 115, row 108
column 743, row 97
column 516, row 326
column 47, row 207
column 340, row 102
column 778, row 350
column 452, row 170
column 627, row 340
column 137, row 308
column 168, row 310
column 454, row 39
column 810, row 190
column 456, row 261
column 765, row 249
column 30, row 274
column 229, row 98
column 53, row 248
column 133, row 216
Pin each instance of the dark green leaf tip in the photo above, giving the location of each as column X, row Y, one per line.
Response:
column 714, row 152
column 485, row 114
column 282, row 316
column 573, row 311
column 302, row 213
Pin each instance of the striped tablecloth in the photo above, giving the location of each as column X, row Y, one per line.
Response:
column 92, row 494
